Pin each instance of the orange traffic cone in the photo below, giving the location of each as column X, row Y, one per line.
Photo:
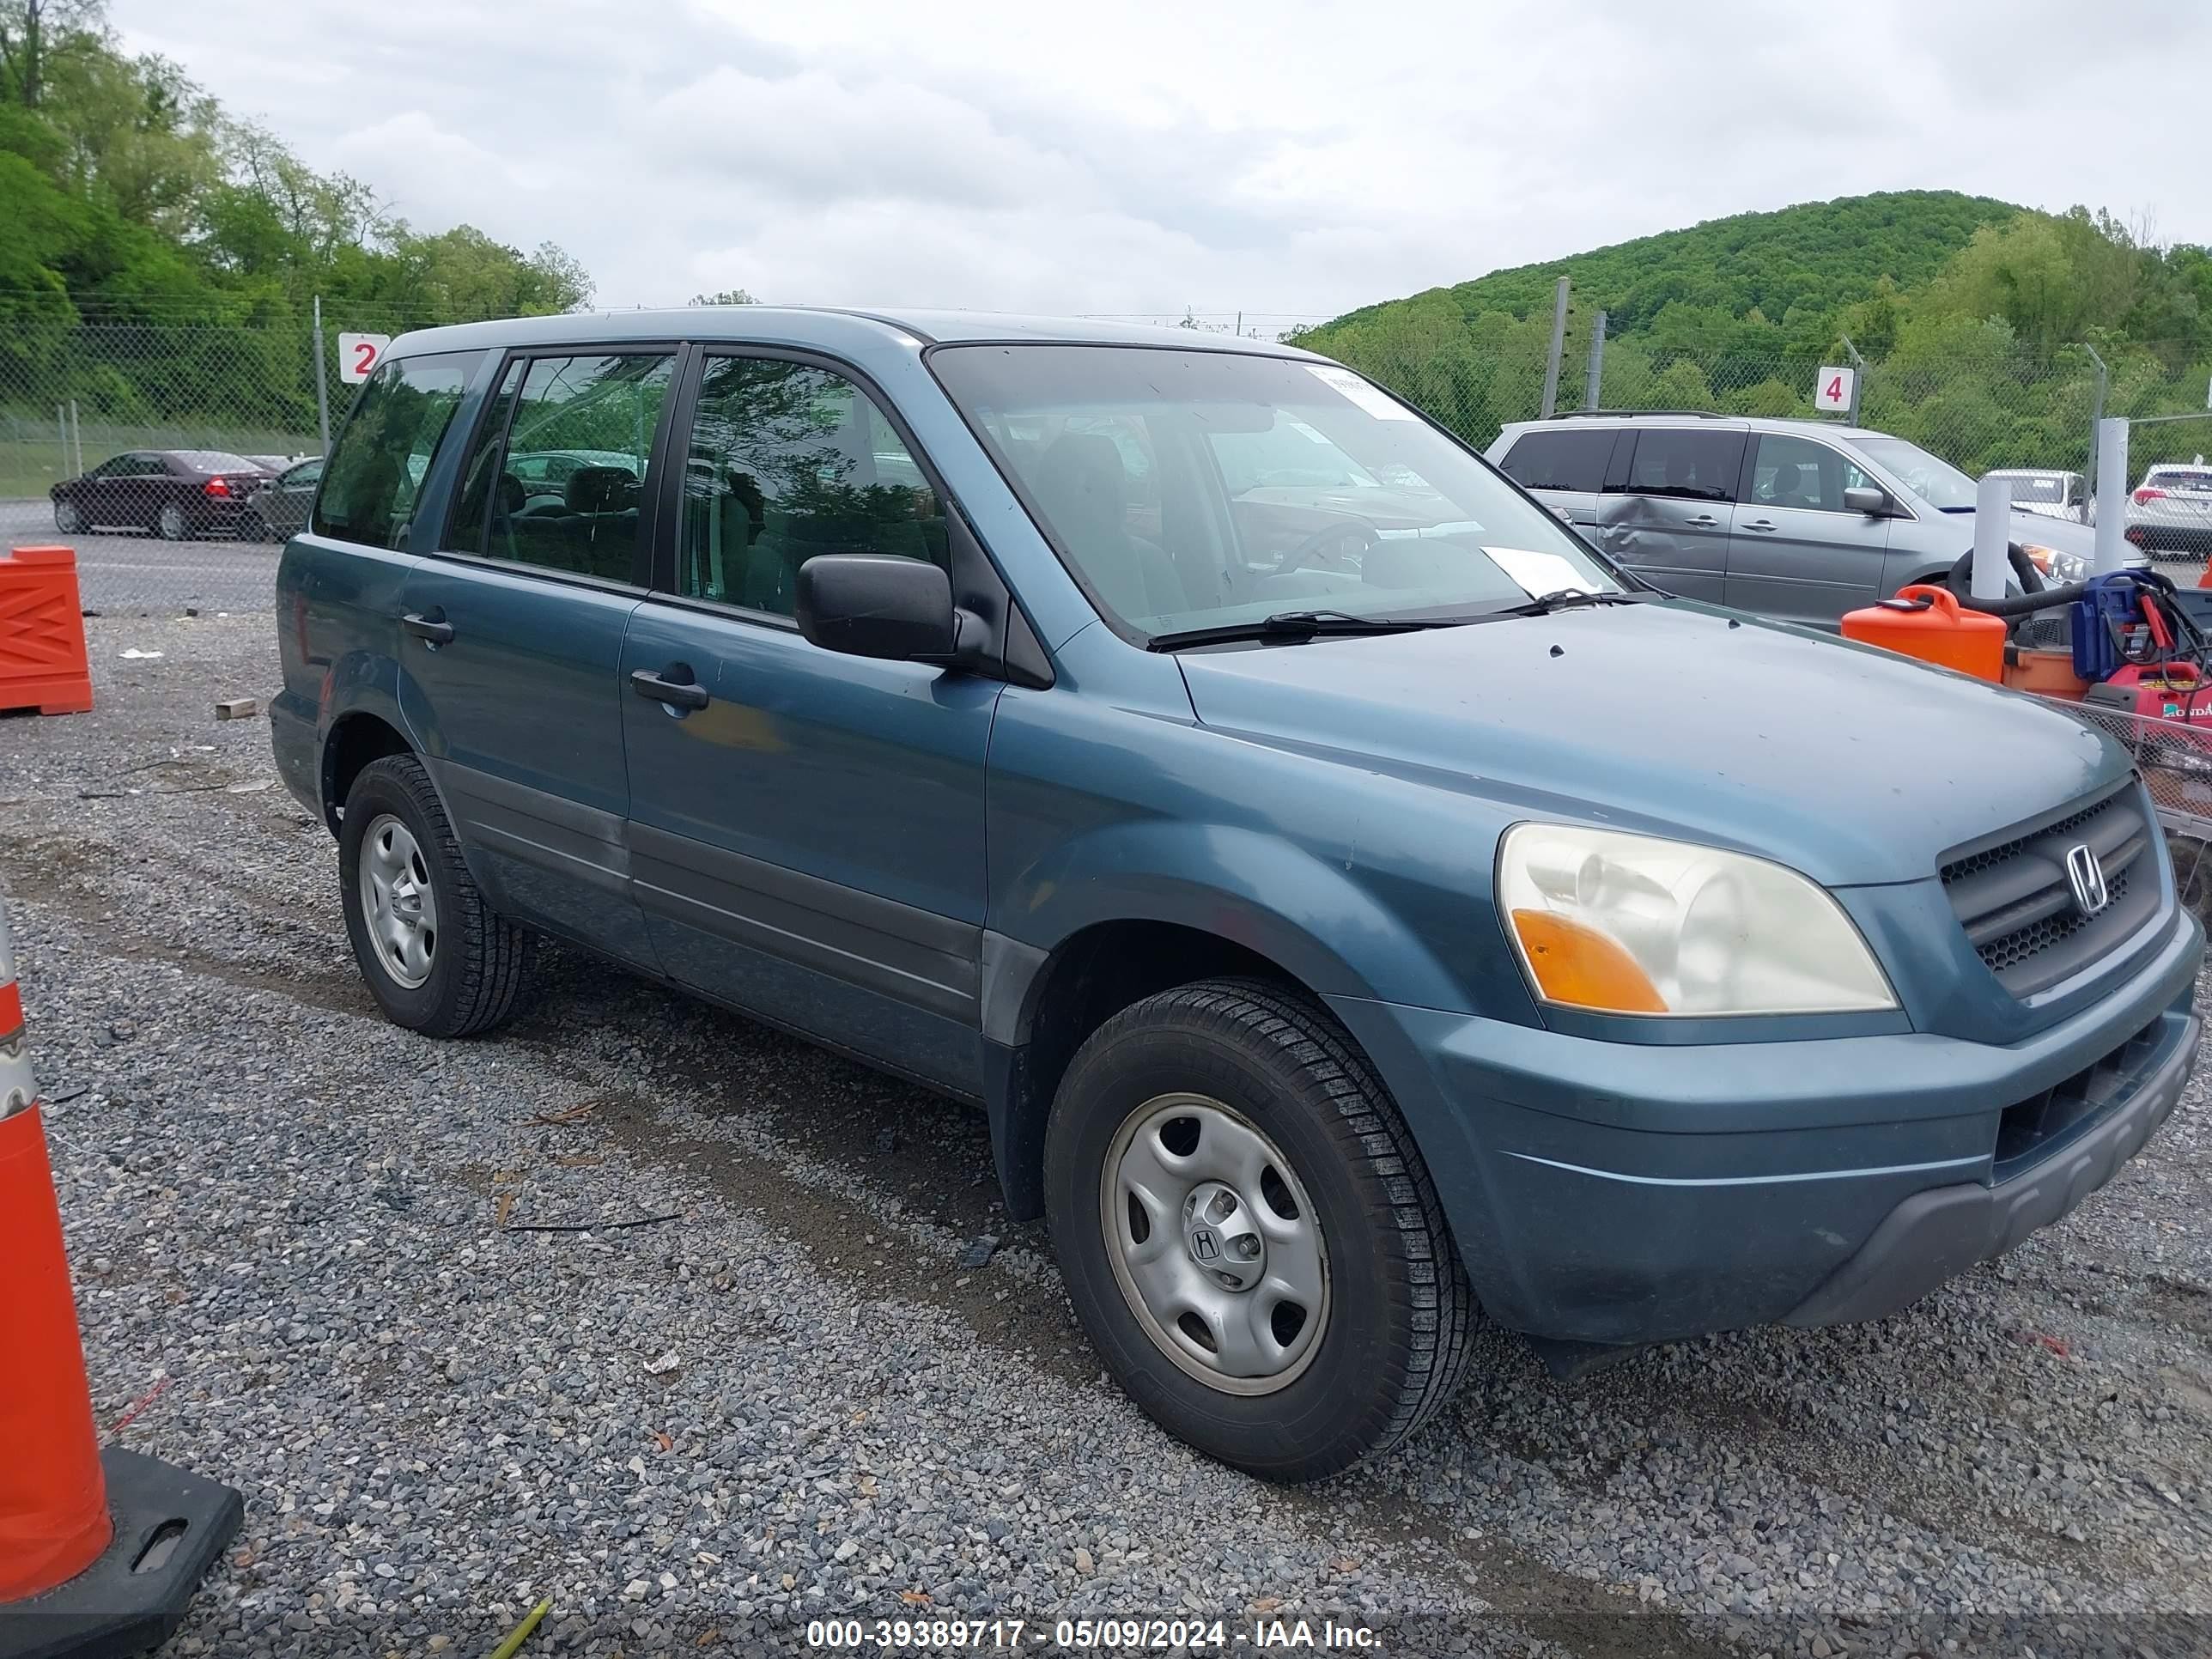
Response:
column 98, row 1555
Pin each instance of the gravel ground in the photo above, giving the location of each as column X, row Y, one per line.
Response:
column 120, row 575
column 789, row 1399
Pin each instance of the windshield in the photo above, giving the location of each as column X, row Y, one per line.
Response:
column 2178, row 478
column 215, row 460
column 1937, row 482
column 1192, row 490
column 2048, row 489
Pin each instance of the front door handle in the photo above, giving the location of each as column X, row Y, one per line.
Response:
column 1703, row 521
column 1760, row 524
column 432, row 627
column 677, row 694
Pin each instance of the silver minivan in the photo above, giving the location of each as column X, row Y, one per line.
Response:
column 1801, row 521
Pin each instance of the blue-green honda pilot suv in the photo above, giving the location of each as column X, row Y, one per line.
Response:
column 1358, row 907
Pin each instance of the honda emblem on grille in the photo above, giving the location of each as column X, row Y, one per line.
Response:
column 2086, row 877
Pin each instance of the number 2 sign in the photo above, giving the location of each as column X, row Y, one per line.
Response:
column 1832, row 392
column 358, row 354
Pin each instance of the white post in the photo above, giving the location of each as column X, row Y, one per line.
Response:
column 2111, row 495
column 1992, row 538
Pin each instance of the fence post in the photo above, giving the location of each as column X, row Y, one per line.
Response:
column 1597, row 372
column 322, row 388
column 2096, row 418
column 2112, row 495
column 61, row 420
column 1558, row 347
column 76, row 438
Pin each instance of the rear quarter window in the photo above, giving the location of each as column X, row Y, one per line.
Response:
column 1560, row 460
column 376, row 469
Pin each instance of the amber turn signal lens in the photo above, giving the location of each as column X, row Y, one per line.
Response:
column 1579, row 965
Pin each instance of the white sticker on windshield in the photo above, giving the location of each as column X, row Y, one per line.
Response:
column 1379, row 403
column 1539, row 574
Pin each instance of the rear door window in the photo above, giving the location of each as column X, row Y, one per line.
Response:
column 1685, row 464
column 1560, row 461
column 378, row 466
column 558, row 475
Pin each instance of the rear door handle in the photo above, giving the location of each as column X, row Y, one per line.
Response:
column 1703, row 521
column 432, row 629
column 1761, row 524
column 677, row 694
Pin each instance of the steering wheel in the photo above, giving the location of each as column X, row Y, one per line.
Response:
column 1358, row 536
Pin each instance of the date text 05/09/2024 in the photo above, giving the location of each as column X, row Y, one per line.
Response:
column 1092, row 1635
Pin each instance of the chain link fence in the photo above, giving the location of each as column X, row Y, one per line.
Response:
column 80, row 400
column 74, row 397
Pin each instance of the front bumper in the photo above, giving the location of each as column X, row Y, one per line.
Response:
column 1614, row 1193
column 1938, row 1234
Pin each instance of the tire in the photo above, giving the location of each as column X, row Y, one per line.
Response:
column 170, row 525
column 68, row 520
column 1243, row 1057
column 474, row 969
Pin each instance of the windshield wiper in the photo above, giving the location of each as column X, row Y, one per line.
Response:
column 1567, row 598
column 1296, row 625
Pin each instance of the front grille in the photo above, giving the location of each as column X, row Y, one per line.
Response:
column 2012, row 895
column 2034, row 1126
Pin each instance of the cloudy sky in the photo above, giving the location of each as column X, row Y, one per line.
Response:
column 1286, row 158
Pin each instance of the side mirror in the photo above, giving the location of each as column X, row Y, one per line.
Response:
column 871, row 605
column 1875, row 503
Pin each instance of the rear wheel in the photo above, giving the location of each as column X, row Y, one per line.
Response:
column 437, row 958
column 172, row 524
column 1248, row 1232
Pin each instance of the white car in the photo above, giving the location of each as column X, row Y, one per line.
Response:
column 2046, row 492
column 2170, row 512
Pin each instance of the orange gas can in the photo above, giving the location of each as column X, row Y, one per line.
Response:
column 42, row 663
column 1929, row 623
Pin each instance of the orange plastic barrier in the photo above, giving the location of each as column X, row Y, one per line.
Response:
column 1943, row 632
column 43, row 663
column 54, row 1521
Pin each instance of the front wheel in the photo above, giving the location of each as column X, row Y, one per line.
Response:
column 1249, row 1234
column 437, row 958
column 67, row 519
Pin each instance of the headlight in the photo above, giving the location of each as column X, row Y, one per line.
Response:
column 1635, row 924
column 2064, row 569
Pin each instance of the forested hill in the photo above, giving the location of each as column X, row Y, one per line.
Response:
column 1978, row 325
column 1815, row 257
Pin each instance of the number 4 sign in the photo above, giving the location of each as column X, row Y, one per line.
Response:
column 360, row 353
column 1832, row 391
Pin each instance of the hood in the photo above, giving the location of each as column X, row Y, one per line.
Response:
column 1849, row 764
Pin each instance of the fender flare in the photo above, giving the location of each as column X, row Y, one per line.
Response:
column 1338, row 940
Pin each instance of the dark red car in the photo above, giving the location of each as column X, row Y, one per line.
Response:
column 175, row 493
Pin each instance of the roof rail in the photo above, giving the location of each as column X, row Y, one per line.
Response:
column 1698, row 414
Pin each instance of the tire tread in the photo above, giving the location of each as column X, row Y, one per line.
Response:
column 1434, row 1300
column 497, row 954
